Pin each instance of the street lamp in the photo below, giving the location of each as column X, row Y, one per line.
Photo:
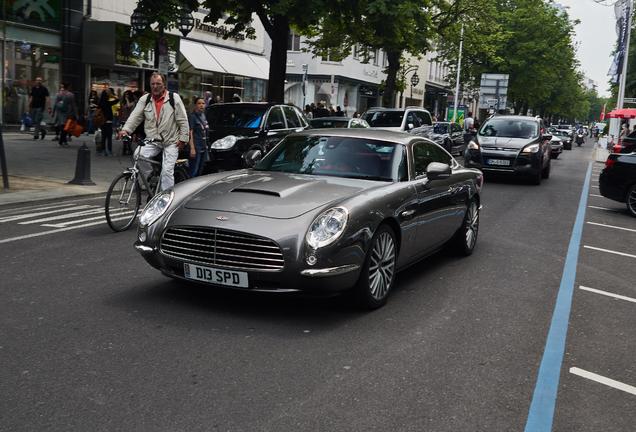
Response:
column 186, row 22
column 406, row 71
column 415, row 80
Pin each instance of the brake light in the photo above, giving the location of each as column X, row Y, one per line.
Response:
column 610, row 163
column 617, row 148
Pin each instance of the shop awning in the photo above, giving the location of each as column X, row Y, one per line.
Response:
column 216, row 59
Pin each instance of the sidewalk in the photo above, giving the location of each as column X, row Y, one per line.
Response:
column 41, row 169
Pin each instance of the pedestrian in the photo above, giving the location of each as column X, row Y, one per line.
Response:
column 127, row 105
column 64, row 109
column 165, row 119
column 321, row 111
column 198, row 137
column 39, row 101
column 93, row 103
column 209, row 100
column 469, row 122
column 308, row 113
column 106, row 102
column 339, row 112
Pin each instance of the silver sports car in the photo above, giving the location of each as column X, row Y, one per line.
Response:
column 324, row 211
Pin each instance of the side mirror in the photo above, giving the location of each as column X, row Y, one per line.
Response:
column 252, row 157
column 438, row 170
column 410, row 126
column 547, row 137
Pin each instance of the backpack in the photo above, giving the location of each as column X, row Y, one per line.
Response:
column 139, row 131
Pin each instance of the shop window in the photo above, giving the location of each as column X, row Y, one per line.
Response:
column 293, row 42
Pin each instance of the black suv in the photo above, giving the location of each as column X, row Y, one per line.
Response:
column 511, row 145
column 240, row 127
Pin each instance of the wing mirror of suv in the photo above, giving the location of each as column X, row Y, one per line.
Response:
column 410, row 126
column 252, row 157
column 438, row 170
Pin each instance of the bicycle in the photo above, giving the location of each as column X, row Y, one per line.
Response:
column 123, row 198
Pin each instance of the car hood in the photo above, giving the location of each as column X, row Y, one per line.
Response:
column 274, row 194
column 219, row 133
column 389, row 128
column 504, row 142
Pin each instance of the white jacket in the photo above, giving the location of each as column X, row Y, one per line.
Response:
column 172, row 124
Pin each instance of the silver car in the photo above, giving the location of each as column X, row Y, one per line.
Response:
column 325, row 211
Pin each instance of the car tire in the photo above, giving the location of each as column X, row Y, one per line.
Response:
column 464, row 241
column 378, row 272
column 545, row 172
column 630, row 200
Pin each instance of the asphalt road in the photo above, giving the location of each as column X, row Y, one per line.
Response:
column 93, row 339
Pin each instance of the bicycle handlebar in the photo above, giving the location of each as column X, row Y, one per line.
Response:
column 143, row 142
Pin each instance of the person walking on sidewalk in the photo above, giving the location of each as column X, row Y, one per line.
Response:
column 165, row 119
column 39, row 101
column 64, row 108
column 198, row 137
column 106, row 102
column 127, row 105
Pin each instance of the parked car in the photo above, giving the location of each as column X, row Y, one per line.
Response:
column 618, row 180
column 325, row 211
column 511, row 145
column 449, row 135
column 556, row 147
column 626, row 144
column 241, row 127
column 398, row 119
column 338, row 122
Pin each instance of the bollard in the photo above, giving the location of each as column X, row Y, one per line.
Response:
column 83, row 167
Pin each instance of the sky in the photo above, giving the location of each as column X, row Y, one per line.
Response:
column 596, row 37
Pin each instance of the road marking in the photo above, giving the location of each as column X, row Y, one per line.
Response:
column 29, row 209
column 596, row 195
column 49, row 206
column 30, row 215
column 611, row 226
column 604, row 208
column 603, row 380
column 24, row 237
column 610, row 251
column 608, row 294
column 64, row 216
column 541, row 413
column 595, row 187
column 101, row 217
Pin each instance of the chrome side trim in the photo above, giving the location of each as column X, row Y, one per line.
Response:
column 330, row 271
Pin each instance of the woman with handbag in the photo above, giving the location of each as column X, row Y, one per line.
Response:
column 198, row 137
column 106, row 101
column 64, row 109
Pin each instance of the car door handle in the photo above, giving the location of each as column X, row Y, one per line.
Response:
column 407, row 213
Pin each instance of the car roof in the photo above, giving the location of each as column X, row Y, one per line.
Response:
column 263, row 104
column 368, row 133
column 514, row 117
column 396, row 109
column 333, row 118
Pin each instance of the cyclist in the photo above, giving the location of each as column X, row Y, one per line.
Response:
column 165, row 120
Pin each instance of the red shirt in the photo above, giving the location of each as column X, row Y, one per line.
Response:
column 158, row 105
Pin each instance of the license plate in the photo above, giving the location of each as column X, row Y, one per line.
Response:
column 215, row 276
column 501, row 162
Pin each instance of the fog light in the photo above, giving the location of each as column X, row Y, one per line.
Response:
column 311, row 260
column 142, row 236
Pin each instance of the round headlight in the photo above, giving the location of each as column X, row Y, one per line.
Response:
column 224, row 143
column 156, row 207
column 327, row 227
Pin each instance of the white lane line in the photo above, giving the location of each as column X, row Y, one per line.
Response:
column 610, row 251
column 597, row 195
column 596, row 187
column 55, row 231
column 31, row 215
column 74, row 222
column 604, row 208
column 64, row 216
column 608, row 294
column 49, row 205
column 611, row 226
column 603, row 380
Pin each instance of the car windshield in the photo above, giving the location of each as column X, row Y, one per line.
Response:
column 510, row 128
column 440, row 128
column 235, row 116
column 384, row 118
column 349, row 157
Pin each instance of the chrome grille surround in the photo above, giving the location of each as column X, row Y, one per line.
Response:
column 221, row 247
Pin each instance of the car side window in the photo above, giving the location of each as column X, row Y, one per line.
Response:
column 275, row 119
column 424, row 118
column 292, row 117
column 424, row 153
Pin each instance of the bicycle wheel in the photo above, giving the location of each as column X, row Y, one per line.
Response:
column 122, row 202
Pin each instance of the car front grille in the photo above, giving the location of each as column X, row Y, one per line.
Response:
column 222, row 247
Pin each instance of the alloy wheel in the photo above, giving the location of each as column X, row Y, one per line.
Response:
column 631, row 200
column 472, row 225
column 381, row 266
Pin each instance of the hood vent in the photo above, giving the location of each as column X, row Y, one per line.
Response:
column 257, row 191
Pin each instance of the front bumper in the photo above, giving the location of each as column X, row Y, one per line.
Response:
column 489, row 161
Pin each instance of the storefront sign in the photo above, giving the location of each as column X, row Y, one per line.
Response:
column 367, row 91
column 217, row 30
column 39, row 13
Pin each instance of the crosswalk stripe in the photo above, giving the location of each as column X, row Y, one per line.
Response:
column 66, row 224
column 31, row 215
column 64, row 216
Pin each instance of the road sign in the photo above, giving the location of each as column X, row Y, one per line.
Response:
column 493, row 91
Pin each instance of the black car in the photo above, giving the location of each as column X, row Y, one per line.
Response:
column 618, row 180
column 338, row 122
column 626, row 144
column 511, row 145
column 449, row 135
column 565, row 138
column 242, row 127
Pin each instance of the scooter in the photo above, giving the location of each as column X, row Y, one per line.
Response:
column 580, row 139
